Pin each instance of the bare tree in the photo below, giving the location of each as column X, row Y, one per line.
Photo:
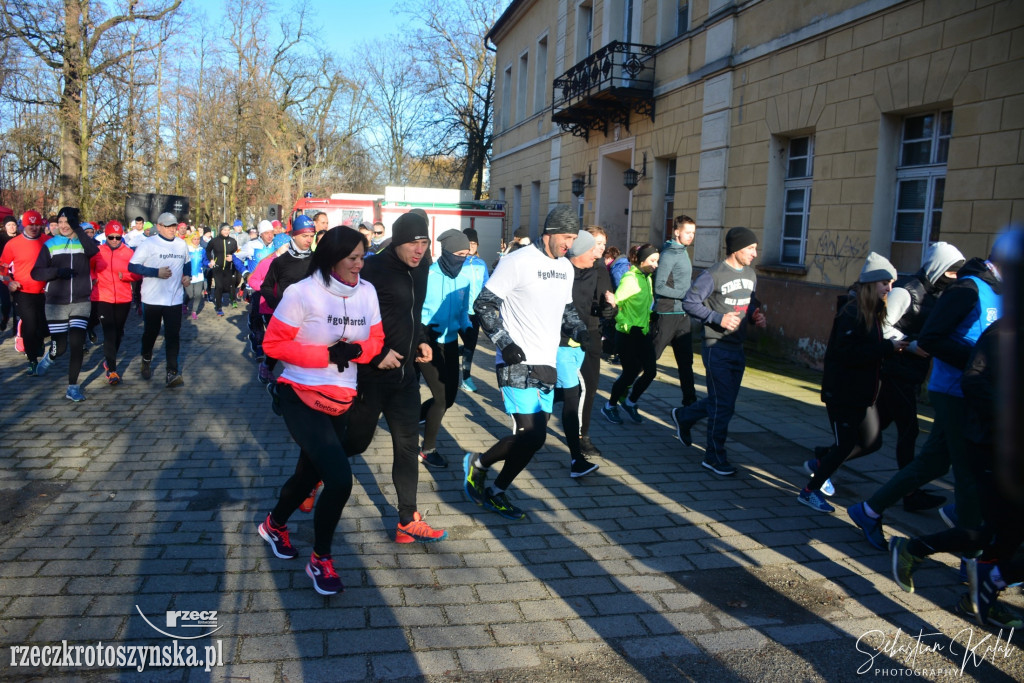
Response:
column 67, row 36
column 453, row 51
column 397, row 110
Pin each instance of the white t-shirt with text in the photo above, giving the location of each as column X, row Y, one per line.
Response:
column 156, row 252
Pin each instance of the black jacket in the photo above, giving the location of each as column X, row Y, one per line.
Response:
column 853, row 360
column 219, row 251
column 588, row 288
column 284, row 271
column 400, row 293
column 950, row 310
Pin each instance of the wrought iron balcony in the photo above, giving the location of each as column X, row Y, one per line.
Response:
column 604, row 88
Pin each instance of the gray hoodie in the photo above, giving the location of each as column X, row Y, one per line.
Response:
column 672, row 279
column 940, row 257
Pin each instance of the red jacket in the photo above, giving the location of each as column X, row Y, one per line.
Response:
column 18, row 260
column 112, row 282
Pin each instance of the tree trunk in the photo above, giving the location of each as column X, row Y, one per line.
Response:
column 70, row 110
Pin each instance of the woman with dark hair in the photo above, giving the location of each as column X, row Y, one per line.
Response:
column 634, row 296
column 321, row 326
column 850, row 383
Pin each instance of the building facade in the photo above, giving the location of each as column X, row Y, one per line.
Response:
column 831, row 129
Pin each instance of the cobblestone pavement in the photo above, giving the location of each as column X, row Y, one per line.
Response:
column 144, row 500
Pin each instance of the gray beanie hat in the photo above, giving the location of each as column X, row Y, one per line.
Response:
column 876, row 269
column 453, row 240
column 584, row 243
column 562, row 219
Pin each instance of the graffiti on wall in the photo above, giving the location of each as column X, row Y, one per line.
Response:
column 836, row 252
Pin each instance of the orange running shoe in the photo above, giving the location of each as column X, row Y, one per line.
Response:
column 307, row 505
column 418, row 530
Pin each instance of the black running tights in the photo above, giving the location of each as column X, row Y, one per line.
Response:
column 517, row 450
column 321, row 458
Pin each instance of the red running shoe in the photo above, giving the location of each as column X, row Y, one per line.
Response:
column 277, row 537
column 418, row 530
column 307, row 505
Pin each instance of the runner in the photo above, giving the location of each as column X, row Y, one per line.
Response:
column 16, row 262
column 112, row 293
column 163, row 262
column 722, row 297
column 633, row 339
column 523, row 308
column 63, row 264
column 476, row 269
column 445, row 314
column 322, row 326
column 388, row 382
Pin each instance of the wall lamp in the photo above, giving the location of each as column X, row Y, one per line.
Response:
column 631, row 177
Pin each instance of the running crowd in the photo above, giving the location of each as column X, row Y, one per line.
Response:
column 343, row 323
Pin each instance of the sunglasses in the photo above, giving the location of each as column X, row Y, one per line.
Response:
column 378, row 233
column 114, row 237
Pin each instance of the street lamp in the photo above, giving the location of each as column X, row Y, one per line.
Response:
column 224, row 198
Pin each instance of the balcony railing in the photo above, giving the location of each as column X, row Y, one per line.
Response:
column 604, row 88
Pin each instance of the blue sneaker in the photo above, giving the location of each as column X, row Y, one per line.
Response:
column 44, row 364
column 499, row 502
column 815, row 501
column 611, row 413
column 872, row 528
column 983, row 597
column 475, row 479
column 948, row 514
column 827, row 488
column 75, row 393
column 468, row 385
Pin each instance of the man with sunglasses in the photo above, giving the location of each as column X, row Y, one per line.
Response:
column 112, row 293
column 377, row 241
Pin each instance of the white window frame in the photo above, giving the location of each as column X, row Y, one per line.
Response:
column 523, row 86
column 541, row 83
column 584, row 30
column 932, row 171
column 797, row 184
column 506, row 98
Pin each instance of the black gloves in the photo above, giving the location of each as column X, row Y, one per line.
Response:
column 582, row 338
column 512, row 354
column 65, row 273
column 342, row 352
column 435, row 331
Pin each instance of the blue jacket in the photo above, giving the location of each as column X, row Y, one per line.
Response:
column 447, row 304
column 197, row 257
column 476, row 270
column 258, row 254
column 618, row 269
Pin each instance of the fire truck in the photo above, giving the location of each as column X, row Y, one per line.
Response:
column 445, row 209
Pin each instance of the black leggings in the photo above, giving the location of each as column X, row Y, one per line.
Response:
column 170, row 316
column 897, row 402
column 442, row 377
column 571, row 418
column 636, row 354
column 857, row 433
column 470, row 336
column 31, row 309
column 321, row 458
column 517, row 450
column 590, row 374
column 112, row 318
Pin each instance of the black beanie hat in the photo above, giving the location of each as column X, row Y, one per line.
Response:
column 739, row 238
column 471, row 235
column 409, row 227
column 71, row 213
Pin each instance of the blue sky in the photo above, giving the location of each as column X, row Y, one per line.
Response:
column 343, row 23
